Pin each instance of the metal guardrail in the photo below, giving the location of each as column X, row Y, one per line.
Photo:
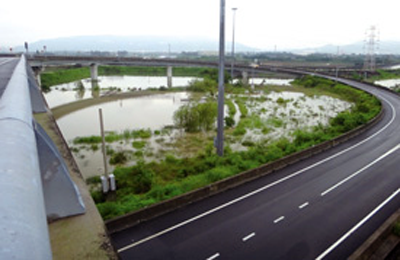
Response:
column 34, row 182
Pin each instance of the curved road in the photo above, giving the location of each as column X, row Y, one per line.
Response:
column 320, row 208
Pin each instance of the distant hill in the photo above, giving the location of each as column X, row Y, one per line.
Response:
column 130, row 44
column 385, row 47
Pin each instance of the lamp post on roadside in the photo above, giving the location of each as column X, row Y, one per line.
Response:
column 221, row 91
column 233, row 41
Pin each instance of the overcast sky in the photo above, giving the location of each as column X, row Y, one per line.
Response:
column 263, row 24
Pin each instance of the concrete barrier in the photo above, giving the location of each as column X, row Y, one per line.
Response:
column 134, row 218
column 375, row 246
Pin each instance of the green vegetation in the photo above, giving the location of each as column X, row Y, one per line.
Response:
column 231, row 107
column 196, row 117
column 118, row 158
column 139, row 144
column 114, row 137
column 242, row 107
column 51, row 78
column 148, row 183
column 146, row 71
column 385, row 74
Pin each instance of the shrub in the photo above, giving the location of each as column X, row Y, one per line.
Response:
column 229, row 121
column 118, row 158
column 139, row 144
column 196, row 117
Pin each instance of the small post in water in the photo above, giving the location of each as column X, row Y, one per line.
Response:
column 104, row 179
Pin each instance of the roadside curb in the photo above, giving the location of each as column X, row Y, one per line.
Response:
column 156, row 210
column 381, row 243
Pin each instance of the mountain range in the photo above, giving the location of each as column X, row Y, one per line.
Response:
column 131, row 44
column 165, row 44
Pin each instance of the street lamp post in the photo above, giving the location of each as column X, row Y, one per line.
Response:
column 233, row 41
column 220, row 120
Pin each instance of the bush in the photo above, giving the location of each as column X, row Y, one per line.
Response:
column 109, row 210
column 196, row 117
column 229, row 121
column 118, row 158
column 138, row 179
column 139, row 144
column 87, row 140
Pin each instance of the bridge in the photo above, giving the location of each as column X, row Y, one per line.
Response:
column 320, row 207
column 245, row 70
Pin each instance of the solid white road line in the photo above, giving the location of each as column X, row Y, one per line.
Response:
column 302, row 206
column 260, row 189
column 248, row 237
column 351, row 231
column 276, row 221
column 361, row 170
column 214, row 256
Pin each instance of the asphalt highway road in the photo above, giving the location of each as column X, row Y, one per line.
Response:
column 321, row 208
column 7, row 66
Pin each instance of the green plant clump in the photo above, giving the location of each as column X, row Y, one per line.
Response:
column 149, row 183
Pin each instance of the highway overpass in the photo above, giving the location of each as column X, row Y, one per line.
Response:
column 320, row 208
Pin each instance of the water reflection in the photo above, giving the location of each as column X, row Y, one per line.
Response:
column 152, row 112
column 84, row 89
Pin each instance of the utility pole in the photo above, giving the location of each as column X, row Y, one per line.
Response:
column 233, row 41
column 221, row 77
column 371, row 46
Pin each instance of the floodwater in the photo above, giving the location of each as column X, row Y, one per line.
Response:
column 296, row 111
column 156, row 111
column 389, row 83
column 266, row 81
column 70, row 92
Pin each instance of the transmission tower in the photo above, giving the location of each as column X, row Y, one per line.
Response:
column 371, row 46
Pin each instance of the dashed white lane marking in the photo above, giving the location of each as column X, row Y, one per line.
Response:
column 214, row 256
column 351, row 231
column 276, row 221
column 361, row 170
column 248, row 237
column 302, row 206
column 179, row 225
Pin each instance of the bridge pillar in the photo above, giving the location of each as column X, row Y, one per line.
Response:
column 245, row 77
column 94, row 74
column 169, row 75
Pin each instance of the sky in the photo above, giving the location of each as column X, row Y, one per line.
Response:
column 263, row 24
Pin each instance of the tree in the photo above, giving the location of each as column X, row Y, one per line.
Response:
column 196, row 117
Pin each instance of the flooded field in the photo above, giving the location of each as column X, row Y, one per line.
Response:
column 84, row 89
column 270, row 116
column 389, row 83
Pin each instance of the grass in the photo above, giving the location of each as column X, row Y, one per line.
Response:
column 114, row 137
column 192, row 162
column 231, row 107
column 52, row 78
